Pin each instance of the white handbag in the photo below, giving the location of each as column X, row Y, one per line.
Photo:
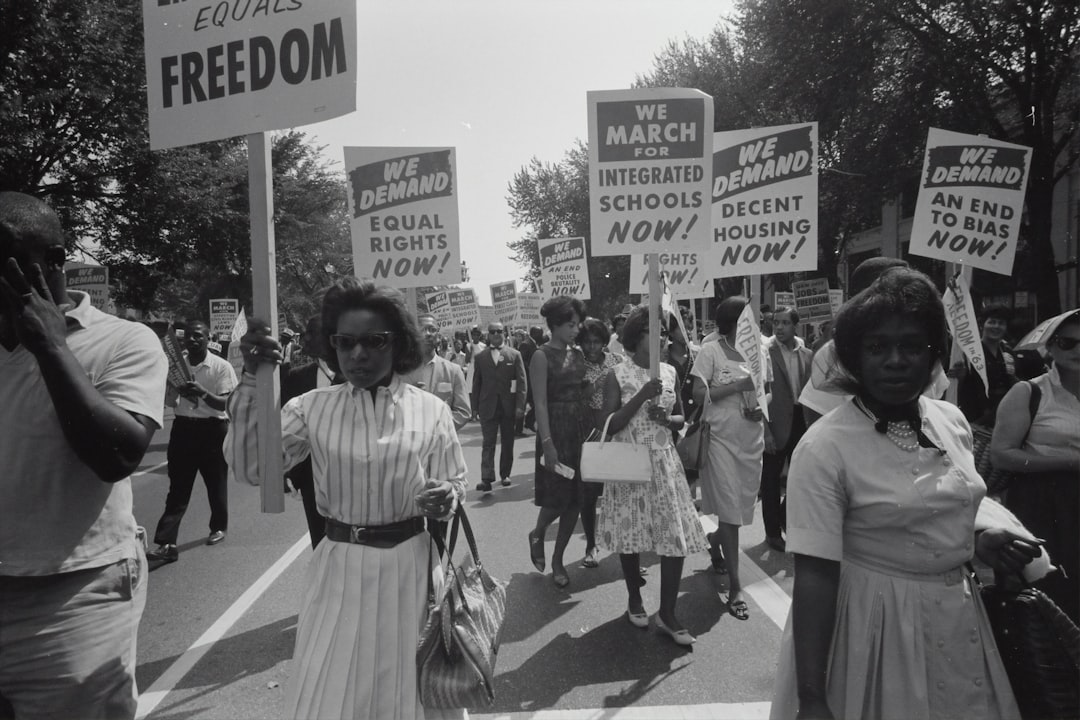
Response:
column 604, row 461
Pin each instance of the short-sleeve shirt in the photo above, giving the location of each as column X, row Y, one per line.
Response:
column 218, row 377
column 854, row 495
column 58, row 515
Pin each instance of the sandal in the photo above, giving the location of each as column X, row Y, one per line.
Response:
column 590, row 560
column 738, row 609
column 536, row 552
column 718, row 564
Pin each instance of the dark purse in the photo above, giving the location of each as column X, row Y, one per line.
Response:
column 455, row 658
column 693, row 448
column 1040, row 648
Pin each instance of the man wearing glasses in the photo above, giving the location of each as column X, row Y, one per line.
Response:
column 438, row 375
column 498, row 393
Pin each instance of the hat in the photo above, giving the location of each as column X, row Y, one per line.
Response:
column 286, row 332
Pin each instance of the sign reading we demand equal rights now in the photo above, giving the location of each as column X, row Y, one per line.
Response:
column 404, row 215
column 564, row 267
column 971, row 198
column 220, row 69
column 764, row 201
column 649, row 170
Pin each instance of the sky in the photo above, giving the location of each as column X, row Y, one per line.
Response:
column 502, row 82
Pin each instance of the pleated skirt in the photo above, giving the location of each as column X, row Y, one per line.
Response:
column 356, row 639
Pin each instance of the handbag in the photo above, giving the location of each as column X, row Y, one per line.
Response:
column 693, row 448
column 455, row 658
column 604, row 461
column 1040, row 648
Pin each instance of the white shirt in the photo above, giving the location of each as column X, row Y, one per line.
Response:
column 217, row 376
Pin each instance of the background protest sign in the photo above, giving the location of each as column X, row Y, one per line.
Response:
column 564, row 268
column 504, row 300
column 529, row 305
column 464, row 310
column 964, row 328
column 748, row 343
column 179, row 370
column 649, row 170
column 971, row 197
column 404, row 215
column 764, row 201
column 782, row 298
column 90, row 279
column 438, row 304
column 812, row 299
column 219, row 69
column 683, row 271
column 236, row 333
column 487, row 316
column 836, row 300
column 223, row 313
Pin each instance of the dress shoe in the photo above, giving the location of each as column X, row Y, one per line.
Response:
column 638, row 620
column 506, row 482
column 163, row 554
column 215, row 537
column 776, row 543
column 681, row 637
column 484, row 487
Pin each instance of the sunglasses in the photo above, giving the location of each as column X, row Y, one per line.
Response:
column 371, row 341
column 1065, row 343
column 496, row 332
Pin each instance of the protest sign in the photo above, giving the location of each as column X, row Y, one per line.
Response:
column 438, row 303
column 236, row 333
column 463, row 308
column 748, row 343
column 971, row 197
column 812, row 299
column 683, row 272
column 223, row 313
column 404, row 215
column 649, row 170
column 504, row 299
column 964, row 328
column 529, row 305
column 179, row 370
column 487, row 316
column 90, row 279
column 783, row 298
column 836, row 300
column 219, row 69
column 764, row 201
column 563, row 267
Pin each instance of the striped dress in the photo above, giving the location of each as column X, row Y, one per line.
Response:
column 363, row 607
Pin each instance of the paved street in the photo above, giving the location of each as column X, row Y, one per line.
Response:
column 219, row 626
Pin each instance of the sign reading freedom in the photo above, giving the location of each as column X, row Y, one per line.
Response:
column 220, row 69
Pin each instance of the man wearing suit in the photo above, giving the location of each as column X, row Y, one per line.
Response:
column 790, row 370
column 438, row 375
column 527, row 347
column 498, row 392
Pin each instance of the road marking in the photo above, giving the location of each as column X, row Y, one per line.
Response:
column 769, row 596
column 149, row 700
column 712, row 711
column 150, row 469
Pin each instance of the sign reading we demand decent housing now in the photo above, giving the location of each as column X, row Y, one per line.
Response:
column 649, row 157
column 404, row 215
column 764, row 201
column 971, row 197
column 221, row 69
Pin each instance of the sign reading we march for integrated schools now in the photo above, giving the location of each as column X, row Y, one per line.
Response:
column 564, row 268
column 404, row 215
column 764, row 201
column 220, row 69
column 971, row 197
column 650, row 152
column 504, row 300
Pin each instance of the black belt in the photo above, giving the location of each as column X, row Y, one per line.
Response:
column 380, row 536
column 183, row 418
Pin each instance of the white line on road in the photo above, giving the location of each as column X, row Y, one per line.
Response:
column 711, row 711
column 150, row 469
column 769, row 596
column 149, row 700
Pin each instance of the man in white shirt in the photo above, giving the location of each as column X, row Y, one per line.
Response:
column 438, row 375
column 198, row 432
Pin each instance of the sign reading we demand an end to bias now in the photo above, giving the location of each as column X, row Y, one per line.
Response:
column 649, row 170
column 564, row 267
column 764, row 201
column 232, row 67
column 404, row 215
column 971, row 197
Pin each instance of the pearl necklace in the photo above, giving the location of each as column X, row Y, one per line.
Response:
column 901, row 434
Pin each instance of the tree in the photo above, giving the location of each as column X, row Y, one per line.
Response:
column 552, row 200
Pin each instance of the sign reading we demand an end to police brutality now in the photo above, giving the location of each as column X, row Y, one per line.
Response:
column 564, row 267
column 971, row 197
column 218, row 69
column 764, row 201
column 404, row 215
column 650, row 159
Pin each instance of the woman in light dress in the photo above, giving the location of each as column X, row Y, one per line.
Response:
column 658, row 516
column 385, row 456
column 882, row 497
column 730, row 479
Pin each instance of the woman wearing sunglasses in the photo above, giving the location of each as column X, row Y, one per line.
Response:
column 1044, row 451
column 385, row 457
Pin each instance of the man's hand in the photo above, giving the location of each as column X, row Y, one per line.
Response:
column 192, row 390
column 39, row 325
